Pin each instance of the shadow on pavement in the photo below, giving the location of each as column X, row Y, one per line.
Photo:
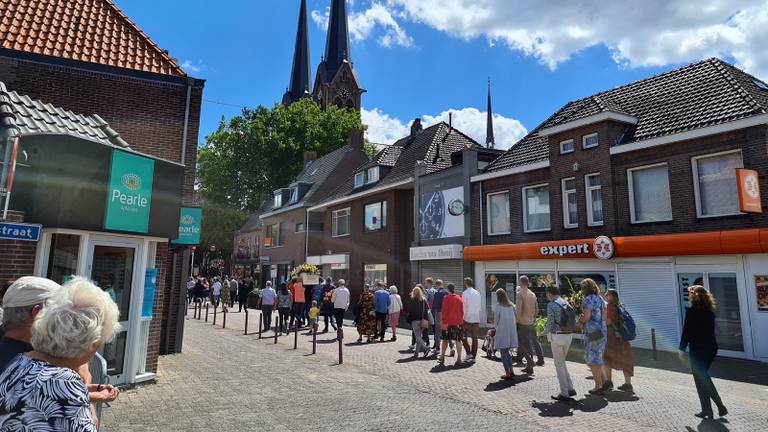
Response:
column 710, row 426
column 620, row 396
column 566, row 408
column 505, row 384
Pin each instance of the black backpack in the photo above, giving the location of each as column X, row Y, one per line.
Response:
column 567, row 317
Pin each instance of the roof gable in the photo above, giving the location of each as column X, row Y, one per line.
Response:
column 94, row 31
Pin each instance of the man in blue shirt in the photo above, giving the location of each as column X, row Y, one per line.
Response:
column 381, row 300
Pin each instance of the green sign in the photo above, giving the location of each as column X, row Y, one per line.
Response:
column 130, row 192
column 190, row 221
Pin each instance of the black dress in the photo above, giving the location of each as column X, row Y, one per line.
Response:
column 699, row 338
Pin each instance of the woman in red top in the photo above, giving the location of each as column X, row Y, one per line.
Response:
column 453, row 320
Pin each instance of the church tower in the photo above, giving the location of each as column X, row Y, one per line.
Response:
column 300, row 78
column 336, row 82
column 490, row 140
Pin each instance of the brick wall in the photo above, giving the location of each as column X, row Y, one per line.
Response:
column 17, row 257
column 293, row 244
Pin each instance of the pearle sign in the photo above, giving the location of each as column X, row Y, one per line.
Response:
column 129, row 194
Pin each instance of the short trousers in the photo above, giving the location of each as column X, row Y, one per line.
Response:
column 452, row 333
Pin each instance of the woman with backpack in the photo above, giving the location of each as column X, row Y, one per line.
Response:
column 618, row 352
column 594, row 328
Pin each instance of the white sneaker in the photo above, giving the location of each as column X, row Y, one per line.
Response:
column 470, row 359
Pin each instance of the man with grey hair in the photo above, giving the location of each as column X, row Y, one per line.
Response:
column 23, row 300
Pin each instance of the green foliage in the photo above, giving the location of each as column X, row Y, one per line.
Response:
column 541, row 325
column 370, row 149
column 263, row 149
column 219, row 225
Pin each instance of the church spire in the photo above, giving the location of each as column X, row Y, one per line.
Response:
column 490, row 141
column 337, row 42
column 300, row 75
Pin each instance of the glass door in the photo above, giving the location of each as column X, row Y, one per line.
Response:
column 112, row 268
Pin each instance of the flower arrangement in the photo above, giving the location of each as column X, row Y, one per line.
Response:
column 304, row 268
column 576, row 298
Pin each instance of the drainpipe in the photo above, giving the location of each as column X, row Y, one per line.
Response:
column 185, row 132
column 482, row 222
column 306, row 236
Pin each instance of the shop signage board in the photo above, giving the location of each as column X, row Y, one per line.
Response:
column 602, row 247
column 749, row 191
column 442, row 252
column 441, row 214
column 20, row 231
column 190, row 223
column 129, row 192
column 150, row 284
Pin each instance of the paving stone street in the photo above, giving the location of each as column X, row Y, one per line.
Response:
column 226, row 381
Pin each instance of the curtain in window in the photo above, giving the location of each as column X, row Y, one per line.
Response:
column 537, row 208
column 718, row 193
column 650, row 187
column 498, row 211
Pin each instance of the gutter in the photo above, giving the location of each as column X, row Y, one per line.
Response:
column 185, row 132
column 322, row 206
column 510, row 171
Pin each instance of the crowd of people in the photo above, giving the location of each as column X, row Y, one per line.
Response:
column 220, row 291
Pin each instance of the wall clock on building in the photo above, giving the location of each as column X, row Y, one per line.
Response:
column 456, row 207
column 344, row 93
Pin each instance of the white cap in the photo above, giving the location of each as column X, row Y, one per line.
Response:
column 29, row 291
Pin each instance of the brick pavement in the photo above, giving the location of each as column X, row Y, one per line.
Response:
column 221, row 373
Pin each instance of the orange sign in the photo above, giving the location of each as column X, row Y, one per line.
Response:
column 267, row 241
column 749, row 191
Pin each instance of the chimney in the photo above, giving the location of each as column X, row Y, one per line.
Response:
column 309, row 157
column 416, row 127
column 450, row 120
column 355, row 138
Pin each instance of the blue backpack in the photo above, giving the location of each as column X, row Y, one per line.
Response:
column 626, row 327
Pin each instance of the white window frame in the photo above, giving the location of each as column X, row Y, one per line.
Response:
column 383, row 208
column 630, row 172
column 297, row 230
column 335, row 220
column 278, row 202
column 587, row 136
column 572, row 142
column 361, row 176
column 371, row 178
column 695, row 170
column 567, row 223
column 488, row 214
column 588, row 193
column 525, row 209
column 294, row 195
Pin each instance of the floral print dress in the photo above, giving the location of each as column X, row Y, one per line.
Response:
column 366, row 324
column 594, row 349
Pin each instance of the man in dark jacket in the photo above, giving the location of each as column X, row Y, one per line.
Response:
column 243, row 288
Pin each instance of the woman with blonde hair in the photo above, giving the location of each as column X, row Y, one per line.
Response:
column 595, row 332
column 42, row 389
column 699, row 338
column 417, row 313
column 506, row 331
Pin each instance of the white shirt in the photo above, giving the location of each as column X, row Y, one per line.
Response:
column 217, row 288
column 395, row 303
column 340, row 298
column 472, row 305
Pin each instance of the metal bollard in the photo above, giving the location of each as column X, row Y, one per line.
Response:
column 653, row 344
column 276, row 334
column 340, row 337
column 245, row 332
column 261, row 325
column 296, row 335
column 224, row 321
column 206, row 312
column 215, row 308
column 314, row 338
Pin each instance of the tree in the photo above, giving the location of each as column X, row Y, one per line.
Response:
column 263, row 149
column 218, row 228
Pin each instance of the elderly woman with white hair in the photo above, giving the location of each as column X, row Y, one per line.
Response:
column 395, row 307
column 41, row 390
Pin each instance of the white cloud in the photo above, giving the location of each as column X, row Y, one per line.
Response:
column 638, row 33
column 376, row 21
column 385, row 129
column 190, row 66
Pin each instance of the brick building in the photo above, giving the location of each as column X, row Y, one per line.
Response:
column 639, row 188
column 88, row 57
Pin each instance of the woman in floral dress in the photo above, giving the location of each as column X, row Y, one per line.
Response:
column 595, row 332
column 366, row 324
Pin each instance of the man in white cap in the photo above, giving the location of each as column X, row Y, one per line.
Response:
column 22, row 301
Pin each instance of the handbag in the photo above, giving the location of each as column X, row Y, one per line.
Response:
column 430, row 318
column 424, row 322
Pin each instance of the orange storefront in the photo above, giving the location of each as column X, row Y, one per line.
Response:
column 652, row 274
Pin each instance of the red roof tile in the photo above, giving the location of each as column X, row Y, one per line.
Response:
column 88, row 30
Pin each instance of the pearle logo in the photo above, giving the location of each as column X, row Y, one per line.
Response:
column 187, row 220
column 131, row 181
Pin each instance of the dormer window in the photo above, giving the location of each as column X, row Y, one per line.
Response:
column 294, row 195
column 589, row 141
column 373, row 175
column 278, row 199
column 359, row 179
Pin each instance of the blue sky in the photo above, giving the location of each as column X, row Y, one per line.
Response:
column 421, row 58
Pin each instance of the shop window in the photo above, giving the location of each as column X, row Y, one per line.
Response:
column 62, row 258
column 273, row 237
column 373, row 273
column 570, row 208
column 373, row 175
column 589, row 141
column 340, row 222
column 594, row 199
column 538, row 283
column 493, row 282
column 566, row 146
column 570, row 282
column 649, row 198
column 359, row 179
column 724, row 287
column 715, row 185
column 376, row 216
column 498, row 213
column 536, row 208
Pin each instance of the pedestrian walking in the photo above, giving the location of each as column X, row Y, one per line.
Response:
column 472, row 305
column 190, row 290
column 216, row 292
column 437, row 311
column 618, row 353
column 284, row 303
column 340, row 300
column 243, row 289
column 452, row 323
column 199, row 291
column 417, row 311
column 527, row 311
column 233, row 286
column 326, row 307
column 561, row 321
column 225, row 295
column 381, row 306
column 595, row 331
column 267, row 300
column 314, row 312
column 395, row 307
column 505, row 337
column 366, row 316
column 429, row 295
column 298, row 296
column 699, row 339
